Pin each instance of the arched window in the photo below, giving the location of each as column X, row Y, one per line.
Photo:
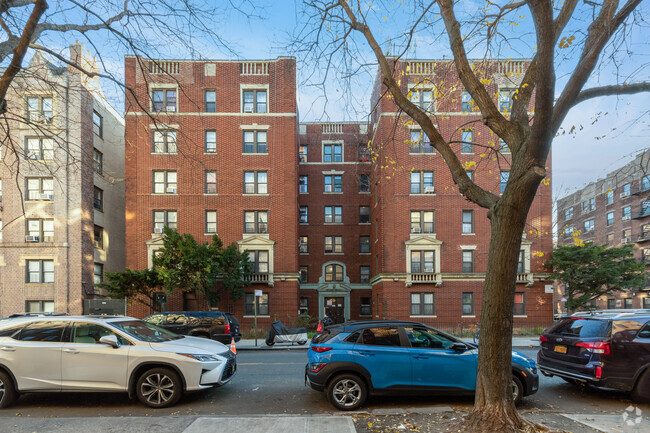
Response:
column 333, row 273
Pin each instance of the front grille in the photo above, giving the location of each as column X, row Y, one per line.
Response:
column 229, row 369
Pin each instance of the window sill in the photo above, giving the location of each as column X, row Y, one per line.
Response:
column 421, row 153
column 520, row 316
column 304, row 224
column 209, row 193
column 256, row 195
column 467, row 153
column 164, row 153
column 468, row 234
column 304, row 193
column 365, row 254
column 422, row 194
column 209, row 234
column 468, row 316
column 304, row 254
column 332, row 192
column 364, row 224
column 423, row 315
column 163, row 193
column 368, row 193
column 254, row 153
column 209, row 153
column 333, row 224
column 333, row 254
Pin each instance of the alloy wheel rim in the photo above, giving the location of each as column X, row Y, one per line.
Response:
column 515, row 390
column 347, row 392
column 157, row 389
column 2, row 390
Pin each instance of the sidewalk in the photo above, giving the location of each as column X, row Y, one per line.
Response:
column 249, row 344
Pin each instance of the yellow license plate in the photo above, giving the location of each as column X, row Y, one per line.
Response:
column 560, row 349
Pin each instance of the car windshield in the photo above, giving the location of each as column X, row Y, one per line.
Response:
column 144, row 331
column 583, row 328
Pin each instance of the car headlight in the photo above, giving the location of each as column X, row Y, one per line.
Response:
column 202, row 358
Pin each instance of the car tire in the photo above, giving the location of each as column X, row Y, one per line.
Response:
column 302, row 342
column 7, row 390
column 159, row 387
column 641, row 392
column 270, row 343
column 347, row 392
column 517, row 389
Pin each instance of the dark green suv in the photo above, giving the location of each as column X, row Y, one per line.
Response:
column 216, row 325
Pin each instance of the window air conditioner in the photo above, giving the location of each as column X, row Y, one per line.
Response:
column 45, row 196
column 158, row 230
column 32, row 156
column 171, row 108
column 248, row 109
column 429, row 190
column 626, row 240
column 625, row 194
column 171, row 190
column 30, row 238
column 416, row 229
column 625, row 217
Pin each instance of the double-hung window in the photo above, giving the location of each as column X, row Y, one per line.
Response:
column 254, row 101
column 468, row 261
column 420, row 142
column 422, row 262
column 210, row 101
column 210, row 182
column 98, row 237
column 505, row 175
column 467, row 102
column 334, row 214
column 568, row 213
column 520, row 304
column 333, row 244
column 163, row 100
column 364, row 183
column 302, row 184
column 303, row 244
column 256, row 221
column 610, row 218
column 255, row 142
column 645, row 183
column 260, row 261
column 98, row 273
column 211, row 141
column 627, row 212
column 468, row 303
column 40, row 271
column 364, row 153
column 211, row 221
column 423, row 304
column 40, row 230
column 39, row 109
column 303, row 218
column 422, row 221
column 468, row 222
column 503, row 146
column 302, row 153
column 365, row 278
column 255, row 182
column 333, row 183
column 468, row 141
column 609, row 197
column 164, row 218
column 98, row 199
column 364, row 244
column 505, row 99
column 98, row 161
column 521, row 264
column 364, row 214
column 40, row 148
column 588, row 225
column 332, row 153
column 259, row 303
column 421, row 182
column 98, row 124
column 40, row 188
column 164, row 141
column 164, row 182
column 423, row 98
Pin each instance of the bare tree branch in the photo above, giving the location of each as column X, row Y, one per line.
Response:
column 622, row 89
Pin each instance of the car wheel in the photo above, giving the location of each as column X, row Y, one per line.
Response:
column 640, row 393
column 7, row 390
column 302, row 342
column 517, row 389
column 347, row 392
column 159, row 387
column 270, row 343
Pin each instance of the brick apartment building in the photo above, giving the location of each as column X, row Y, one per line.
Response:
column 353, row 219
column 63, row 198
column 611, row 211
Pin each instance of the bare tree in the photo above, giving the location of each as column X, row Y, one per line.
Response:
column 338, row 30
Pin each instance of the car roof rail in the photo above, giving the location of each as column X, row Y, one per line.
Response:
column 30, row 314
column 615, row 312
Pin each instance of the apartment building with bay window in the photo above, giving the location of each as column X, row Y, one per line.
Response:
column 62, row 190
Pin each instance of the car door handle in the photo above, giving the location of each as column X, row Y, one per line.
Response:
column 73, row 351
column 8, row 349
column 366, row 354
column 420, row 357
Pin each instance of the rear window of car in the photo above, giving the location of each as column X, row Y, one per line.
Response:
column 582, row 328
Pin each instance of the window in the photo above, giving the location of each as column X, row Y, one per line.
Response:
column 302, row 153
column 610, row 218
column 381, row 337
column 40, row 188
column 505, row 175
column 568, row 232
column 211, row 101
column 645, row 183
column 98, row 273
column 333, row 183
column 252, row 302
column 420, row 142
column 468, row 141
column 98, row 199
column 98, row 161
column 260, row 261
column 504, row 146
column 521, row 263
column 470, row 174
column 646, row 303
column 645, row 232
column 210, row 182
column 568, row 213
column 421, row 182
column 334, row 214
column 302, row 184
column 365, row 276
column 164, row 182
column 211, row 141
column 423, row 304
column 366, row 307
column 627, row 233
column 468, row 303
column 520, row 304
column 98, row 124
column 589, row 225
column 40, row 271
column 98, row 237
column 256, row 221
column 364, row 183
column 468, row 261
column 364, row 214
column 589, row 205
column 364, row 153
column 626, row 190
column 611, row 304
column 627, row 303
column 645, row 208
column 610, row 238
column 304, row 274
column 255, row 142
column 423, row 98
column 40, row 148
column 364, row 244
column 333, row 153
column 333, row 244
column 422, row 221
column 609, row 197
column 163, row 100
column 255, row 182
column 505, row 99
column 255, row 101
column 333, row 273
column 40, row 230
column 164, row 218
column 211, row 221
column 303, row 244
column 468, row 221
column 303, row 215
column 39, row 109
column 164, row 142
column 627, row 212
column 422, row 262
column 303, row 306
column 467, row 102
column 40, row 307
column 43, row 331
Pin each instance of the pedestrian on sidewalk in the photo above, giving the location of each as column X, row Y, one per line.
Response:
column 327, row 320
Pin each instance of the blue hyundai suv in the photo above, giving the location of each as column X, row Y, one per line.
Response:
column 355, row 359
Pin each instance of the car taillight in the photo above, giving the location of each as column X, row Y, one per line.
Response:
column 316, row 366
column 320, row 349
column 227, row 330
column 601, row 348
column 599, row 372
column 542, row 339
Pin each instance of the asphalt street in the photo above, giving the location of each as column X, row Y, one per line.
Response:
column 272, row 382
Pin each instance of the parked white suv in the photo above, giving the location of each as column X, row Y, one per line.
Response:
column 104, row 353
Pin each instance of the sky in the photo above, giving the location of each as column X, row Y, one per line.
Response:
column 608, row 131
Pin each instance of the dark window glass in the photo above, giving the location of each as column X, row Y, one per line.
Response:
column 583, row 328
column 43, row 331
column 381, row 337
column 12, row 331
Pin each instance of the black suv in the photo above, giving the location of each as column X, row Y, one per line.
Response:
column 605, row 348
column 216, row 325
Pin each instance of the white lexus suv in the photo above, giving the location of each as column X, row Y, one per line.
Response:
column 107, row 353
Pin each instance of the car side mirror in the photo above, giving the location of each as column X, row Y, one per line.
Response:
column 111, row 340
column 458, row 347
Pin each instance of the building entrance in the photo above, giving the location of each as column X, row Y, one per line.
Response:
column 335, row 309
